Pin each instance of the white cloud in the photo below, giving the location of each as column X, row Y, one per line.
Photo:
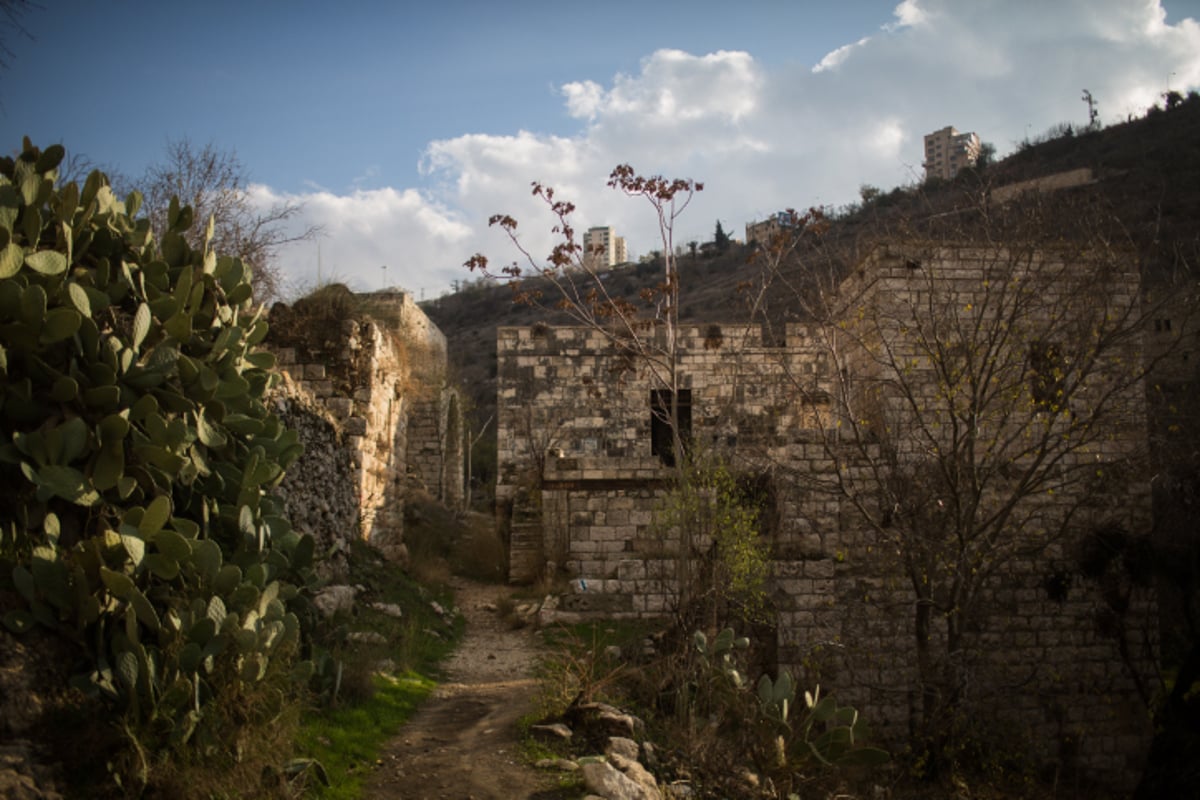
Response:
column 365, row 230
column 835, row 57
column 764, row 138
column 908, row 14
column 583, row 98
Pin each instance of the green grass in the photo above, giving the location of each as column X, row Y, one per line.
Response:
column 361, row 709
column 599, row 634
column 347, row 741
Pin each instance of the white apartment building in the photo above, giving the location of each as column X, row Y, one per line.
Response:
column 603, row 248
column 947, row 151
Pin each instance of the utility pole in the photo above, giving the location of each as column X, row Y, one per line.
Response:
column 1092, row 112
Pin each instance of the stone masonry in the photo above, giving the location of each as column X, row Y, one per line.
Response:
column 578, row 459
column 377, row 415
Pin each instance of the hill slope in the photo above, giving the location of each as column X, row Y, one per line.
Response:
column 1143, row 194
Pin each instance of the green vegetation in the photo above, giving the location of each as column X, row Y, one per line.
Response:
column 700, row 703
column 368, row 686
column 140, row 536
column 346, row 741
column 725, row 570
column 137, row 458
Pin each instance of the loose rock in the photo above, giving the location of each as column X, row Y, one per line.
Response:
column 605, row 780
column 332, row 599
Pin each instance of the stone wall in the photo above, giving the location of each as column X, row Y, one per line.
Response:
column 1044, row 185
column 319, row 497
column 814, row 417
column 370, row 399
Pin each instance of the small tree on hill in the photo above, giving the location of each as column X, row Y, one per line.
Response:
column 721, row 239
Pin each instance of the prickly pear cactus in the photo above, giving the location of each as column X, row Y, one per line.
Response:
column 136, row 454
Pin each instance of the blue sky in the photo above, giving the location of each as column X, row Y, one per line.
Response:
column 402, row 126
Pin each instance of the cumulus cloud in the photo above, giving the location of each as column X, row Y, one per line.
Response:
column 365, row 230
column 764, row 137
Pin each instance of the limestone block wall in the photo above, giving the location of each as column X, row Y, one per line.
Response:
column 369, row 395
column 372, row 418
column 575, row 417
column 436, row 460
column 575, row 422
column 434, row 416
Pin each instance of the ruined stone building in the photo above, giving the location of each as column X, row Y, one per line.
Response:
column 368, row 392
column 1005, row 380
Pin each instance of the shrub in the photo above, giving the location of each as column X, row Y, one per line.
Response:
column 723, row 721
column 136, row 462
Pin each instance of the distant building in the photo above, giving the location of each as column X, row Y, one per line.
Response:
column 947, row 151
column 761, row 232
column 603, row 248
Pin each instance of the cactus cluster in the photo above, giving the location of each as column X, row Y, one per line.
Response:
column 824, row 732
column 137, row 454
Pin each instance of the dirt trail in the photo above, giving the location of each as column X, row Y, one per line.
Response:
column 462, row 744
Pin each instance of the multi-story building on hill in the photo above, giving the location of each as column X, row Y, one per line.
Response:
column 603, row 248
column 760, row 232
column 947, row 151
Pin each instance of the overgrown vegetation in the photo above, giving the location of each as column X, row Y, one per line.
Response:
column 442, row 543
column 140, row 540
column 376, row 665
column 726, row 560
column 137, row 458
column 718, row 724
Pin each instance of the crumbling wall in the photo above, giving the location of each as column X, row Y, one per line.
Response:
column 575, row 430
column 320, row 500
column 434, row 445
column 360, row 393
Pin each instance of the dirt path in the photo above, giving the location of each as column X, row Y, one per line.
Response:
column 462, row 744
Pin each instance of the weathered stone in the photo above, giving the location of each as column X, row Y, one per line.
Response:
column 554, row 730
column 605, row 780
column 633, row 770
column 368, row 423
column 332, row 599
column 390, row 609
column 622, row 746
column 835, row 581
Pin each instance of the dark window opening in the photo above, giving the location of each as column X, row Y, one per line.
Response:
column 661, row 443
column 1162, row 326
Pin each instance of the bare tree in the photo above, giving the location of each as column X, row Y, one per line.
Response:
column 11, row 12
column 988, row 412
column 215, row 183
column 647, row 334
column 644, row 337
